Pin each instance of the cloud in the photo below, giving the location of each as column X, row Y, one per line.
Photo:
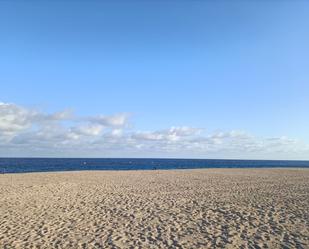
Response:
column 117, row 120
column 223, row 144
column 87, row 130
column 30, row 132
column 172, row 134
column 15, row 119
column 20, row 126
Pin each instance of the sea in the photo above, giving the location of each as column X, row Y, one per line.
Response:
column 24, row 165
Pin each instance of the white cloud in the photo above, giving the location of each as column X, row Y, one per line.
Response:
column 117, row 120
column 14, row 118
column 172, row 134
column 87, row 130
column 29, row 132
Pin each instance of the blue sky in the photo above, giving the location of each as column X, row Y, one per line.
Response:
column 169, row 67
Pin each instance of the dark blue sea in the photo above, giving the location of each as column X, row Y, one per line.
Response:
column 22, row 165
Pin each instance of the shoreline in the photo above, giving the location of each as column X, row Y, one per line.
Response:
column 156, row 170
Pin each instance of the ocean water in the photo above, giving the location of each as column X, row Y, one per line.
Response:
column 20, row 165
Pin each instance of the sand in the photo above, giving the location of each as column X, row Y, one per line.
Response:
column 210, row 208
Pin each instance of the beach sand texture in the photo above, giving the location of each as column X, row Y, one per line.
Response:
column 209, row 208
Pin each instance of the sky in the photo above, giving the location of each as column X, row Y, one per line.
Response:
column 185, row 79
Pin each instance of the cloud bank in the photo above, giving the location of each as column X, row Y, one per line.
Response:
column 29, row 132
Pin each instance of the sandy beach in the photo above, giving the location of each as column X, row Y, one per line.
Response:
column 209, row 208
